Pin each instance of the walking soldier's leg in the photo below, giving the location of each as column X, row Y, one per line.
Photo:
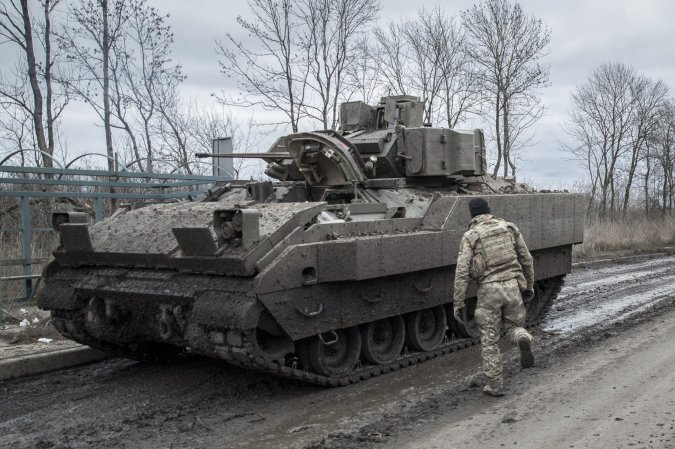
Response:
column 489, row 320
column 514, row 320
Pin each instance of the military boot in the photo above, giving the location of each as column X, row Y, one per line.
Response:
column 526, row 355
column 493, row 389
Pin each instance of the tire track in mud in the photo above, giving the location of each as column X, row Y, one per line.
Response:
column 583, row 278
column 206, row 403
column 593, row 297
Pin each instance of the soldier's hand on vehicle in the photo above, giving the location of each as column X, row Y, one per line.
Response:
column 459, row 315
column 528, row 295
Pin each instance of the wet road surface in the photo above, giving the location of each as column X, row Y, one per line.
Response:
column 206, row 403
column 616, row 394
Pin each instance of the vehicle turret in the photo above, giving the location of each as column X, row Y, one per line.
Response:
column 388, row 140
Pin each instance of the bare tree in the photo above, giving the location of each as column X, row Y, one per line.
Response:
column 146, row 67
column 445, row 49
column 426, row 57
column 662, row 152
column 106, row 43
column 391, row 54
column 90, row 42
column 362, row 79
column 210, row 124
column 330, row 32
column 461, row 93
column 189, row 129
column 122, row 76
column 272, row 72
column 17, row 26
column 297, row 64
column 173, row 127
column 600, row 121
column 16, row 125
column 506, row 47
column 622, row 124
column 649, row 97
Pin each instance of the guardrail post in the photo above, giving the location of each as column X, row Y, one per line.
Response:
column 98, row 209
column 27, row 252
column 2, row 302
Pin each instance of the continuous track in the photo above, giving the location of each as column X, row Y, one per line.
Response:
column 246, row 356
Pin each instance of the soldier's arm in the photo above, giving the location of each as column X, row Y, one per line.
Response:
column 462, row 272
column 525, row 258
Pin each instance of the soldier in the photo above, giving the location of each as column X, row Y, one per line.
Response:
column 494, row 253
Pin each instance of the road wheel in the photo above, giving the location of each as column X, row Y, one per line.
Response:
column 382, row 340
column 468, row 327
column 426, row 328
column 335, row 353
column 546, row 291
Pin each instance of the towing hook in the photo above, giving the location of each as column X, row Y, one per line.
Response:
column 329, row 338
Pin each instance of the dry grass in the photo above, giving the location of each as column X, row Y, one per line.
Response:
column 42, row 243
column 631, row 236
column 30, row 334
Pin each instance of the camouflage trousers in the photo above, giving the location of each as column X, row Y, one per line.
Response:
column 499, row 304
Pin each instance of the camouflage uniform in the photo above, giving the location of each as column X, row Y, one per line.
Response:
column 494, row 253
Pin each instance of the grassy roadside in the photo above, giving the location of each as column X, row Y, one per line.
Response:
column 624, row 238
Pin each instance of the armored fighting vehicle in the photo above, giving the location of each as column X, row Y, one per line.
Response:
column 340, row 270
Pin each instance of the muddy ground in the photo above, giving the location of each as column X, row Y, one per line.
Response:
column 603, row 378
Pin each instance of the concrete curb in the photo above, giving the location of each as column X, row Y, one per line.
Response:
column 31, row 364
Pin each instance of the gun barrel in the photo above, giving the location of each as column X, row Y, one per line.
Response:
column 267, row 155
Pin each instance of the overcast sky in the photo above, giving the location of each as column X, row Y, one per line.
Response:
column 585, row 33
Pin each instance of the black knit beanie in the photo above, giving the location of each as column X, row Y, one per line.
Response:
column 478, row 206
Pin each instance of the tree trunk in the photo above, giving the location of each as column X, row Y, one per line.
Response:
column 507, row 138
column 498, row 107
column 646, row 186
column 612, row 199
column 148, row 144
column 35, row 86
column 629, row 185
column 48, row 78
column 589, row 206
column 106, row 96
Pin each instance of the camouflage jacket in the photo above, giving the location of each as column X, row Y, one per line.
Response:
column 492, row 250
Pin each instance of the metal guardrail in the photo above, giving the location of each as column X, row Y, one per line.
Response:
column 150, row 186
column 29, row 288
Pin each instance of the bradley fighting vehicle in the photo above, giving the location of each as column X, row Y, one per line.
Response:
column 341, row 270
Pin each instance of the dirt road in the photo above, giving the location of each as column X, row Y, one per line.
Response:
column 619, row 393
column 603, row 379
